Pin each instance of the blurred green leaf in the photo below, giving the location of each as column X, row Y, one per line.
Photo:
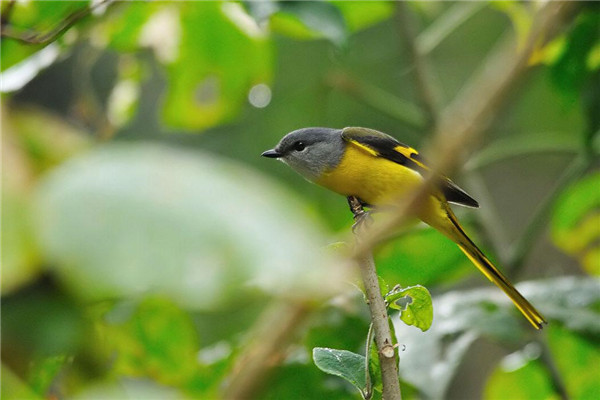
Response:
column 577, row 360
column 127, row 220
column 422, row 256
column 521, row 375
column 300, row 381
column 207, row 81
column 418, row 311
column 318, row 19
column 13, row 388
column 44, row 372
column 158, row 341
column 19, row 253
column 576, row 222
column 345, row 364
column 431, row 358
column 363, row 14
column 570, row 71
column 530, row 381
column 33, row 141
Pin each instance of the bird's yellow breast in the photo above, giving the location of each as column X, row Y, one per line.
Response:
column 375, row 180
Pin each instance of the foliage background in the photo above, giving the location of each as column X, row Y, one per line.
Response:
column 142, row 234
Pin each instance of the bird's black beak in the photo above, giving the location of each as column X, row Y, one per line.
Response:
column 271, row 154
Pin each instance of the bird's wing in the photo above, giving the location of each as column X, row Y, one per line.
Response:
column 382, row 145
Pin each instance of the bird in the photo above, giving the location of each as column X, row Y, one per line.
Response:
column 379, row 170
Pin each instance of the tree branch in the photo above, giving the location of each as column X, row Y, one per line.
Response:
column 379, row 316
column 32, row 37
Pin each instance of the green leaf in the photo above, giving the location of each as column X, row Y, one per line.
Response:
column 207, row 82
column 576, row 222
column 418, row 311
column 522, row 375
column 363, row 14
column 570, row 71
column 577, row 358
column 13, row 387
column 322, row 19
column 342, row 363
column 132, row 219
column 157, row 341
column 44, row 373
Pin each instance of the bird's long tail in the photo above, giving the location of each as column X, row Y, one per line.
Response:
column 494, row 275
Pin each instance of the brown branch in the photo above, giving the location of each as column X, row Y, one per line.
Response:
column 422, row 71
column 379, row 317
column 32, row 37
column 266, row 349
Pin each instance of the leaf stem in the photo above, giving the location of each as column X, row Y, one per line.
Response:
column 368, row 392
column 379, row 316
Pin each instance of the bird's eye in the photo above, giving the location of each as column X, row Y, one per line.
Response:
column 299, row 146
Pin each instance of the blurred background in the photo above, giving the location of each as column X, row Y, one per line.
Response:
column 143, row 235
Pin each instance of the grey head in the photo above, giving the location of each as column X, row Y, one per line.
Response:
column 310, row 151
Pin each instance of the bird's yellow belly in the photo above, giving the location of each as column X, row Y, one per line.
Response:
column 374, row 180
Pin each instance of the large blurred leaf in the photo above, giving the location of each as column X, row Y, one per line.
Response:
column 126, row 220
column 222, row 55
column 576, row 222
column 431, row 358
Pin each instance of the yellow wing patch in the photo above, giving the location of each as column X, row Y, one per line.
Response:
column 364, row 147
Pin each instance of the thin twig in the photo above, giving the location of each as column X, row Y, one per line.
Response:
column 422, row 71
column 33, row 37
column 266, row 348
column 379, row 317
